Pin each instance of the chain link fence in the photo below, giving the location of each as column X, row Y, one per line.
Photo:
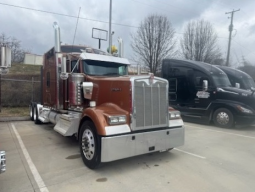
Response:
column 19, row 90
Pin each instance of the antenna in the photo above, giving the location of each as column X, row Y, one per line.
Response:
column 76, row 27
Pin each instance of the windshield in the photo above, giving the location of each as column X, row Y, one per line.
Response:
column 103, row 68
column 249, row 82
column 221, row 80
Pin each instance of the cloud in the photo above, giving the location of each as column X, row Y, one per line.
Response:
column 35, row 30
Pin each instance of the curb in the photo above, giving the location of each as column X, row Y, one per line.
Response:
column 6, row 119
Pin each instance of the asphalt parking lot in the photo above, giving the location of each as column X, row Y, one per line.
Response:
column 212, row 159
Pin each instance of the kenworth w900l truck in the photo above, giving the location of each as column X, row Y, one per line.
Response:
column 88, row 94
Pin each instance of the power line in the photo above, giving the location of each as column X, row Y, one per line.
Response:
column 150, row 6
column 77, row 17
column 250, row 51
column 66, row 15
column 169, row 5
column 76, row 26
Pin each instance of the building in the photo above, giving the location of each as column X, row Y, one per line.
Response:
column 32, row 59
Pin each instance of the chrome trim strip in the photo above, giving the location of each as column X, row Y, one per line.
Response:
column 223, row 90
column 159, row 102
column 176, row 123
column 192, row 116
column 152, row 114
column 123, row 146
column 144, row 117
column 117, row 129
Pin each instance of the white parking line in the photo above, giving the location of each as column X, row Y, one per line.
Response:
column 239, row 135
column 31, row 165
column 190, row 153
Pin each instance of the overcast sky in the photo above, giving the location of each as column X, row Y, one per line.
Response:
column 35, row 29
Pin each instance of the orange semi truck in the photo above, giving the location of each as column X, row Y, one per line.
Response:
column 87, row 93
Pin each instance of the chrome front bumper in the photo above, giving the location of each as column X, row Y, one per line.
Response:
column 2, row 162
column 128, row 145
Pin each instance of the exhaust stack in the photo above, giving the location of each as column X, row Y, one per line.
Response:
column 59, row 66
column 121, row 47
column 5, row 57
column 57, row 37
column 138, row 69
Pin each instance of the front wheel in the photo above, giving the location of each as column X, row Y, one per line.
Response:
column 36, row 115
column 89, row 143
column 223, row 117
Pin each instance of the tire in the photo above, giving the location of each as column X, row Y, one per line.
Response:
column 36, row 119
column 223, row 117
column 90, row 146
column 31, row 111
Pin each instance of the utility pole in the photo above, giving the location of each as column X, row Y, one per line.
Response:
column 230, row 33
column 110, row 28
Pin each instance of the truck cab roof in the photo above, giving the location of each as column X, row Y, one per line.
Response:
column 233, row 71
column 205, row 67
column 238, row 76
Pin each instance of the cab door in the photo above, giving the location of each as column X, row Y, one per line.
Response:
column 203, row 97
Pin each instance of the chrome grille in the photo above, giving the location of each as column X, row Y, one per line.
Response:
column 150, row 104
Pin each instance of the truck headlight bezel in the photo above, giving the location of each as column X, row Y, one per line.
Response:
column 115, row 120
column 174, row 115
column 244, row 110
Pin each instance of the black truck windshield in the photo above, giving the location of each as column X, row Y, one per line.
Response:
column 249, row 82
column 221, row 80
column 103, row 68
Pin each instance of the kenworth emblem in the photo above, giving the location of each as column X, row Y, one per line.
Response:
column 116, row 89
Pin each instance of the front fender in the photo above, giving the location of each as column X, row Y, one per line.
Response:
column 98, row 115
column 231, row 105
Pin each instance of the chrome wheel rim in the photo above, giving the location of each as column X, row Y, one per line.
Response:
column 222, row 118
column 88, row 144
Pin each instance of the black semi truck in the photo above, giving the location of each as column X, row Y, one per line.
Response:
column 238, row 78
column 203, row 92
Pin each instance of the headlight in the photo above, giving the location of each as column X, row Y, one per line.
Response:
column 244, row 110
column 117, row 120
column 174, row 115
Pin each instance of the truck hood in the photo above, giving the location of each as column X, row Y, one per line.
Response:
column 114, row 90
column 240, row 95
column 236, row 91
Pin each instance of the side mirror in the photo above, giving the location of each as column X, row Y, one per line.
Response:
column 237, row 85
column 63, row 74
column 205, row 85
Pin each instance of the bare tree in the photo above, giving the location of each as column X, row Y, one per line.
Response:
column 199, row 42
column 153, row 41
column 18, row 53
column 4, row 40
